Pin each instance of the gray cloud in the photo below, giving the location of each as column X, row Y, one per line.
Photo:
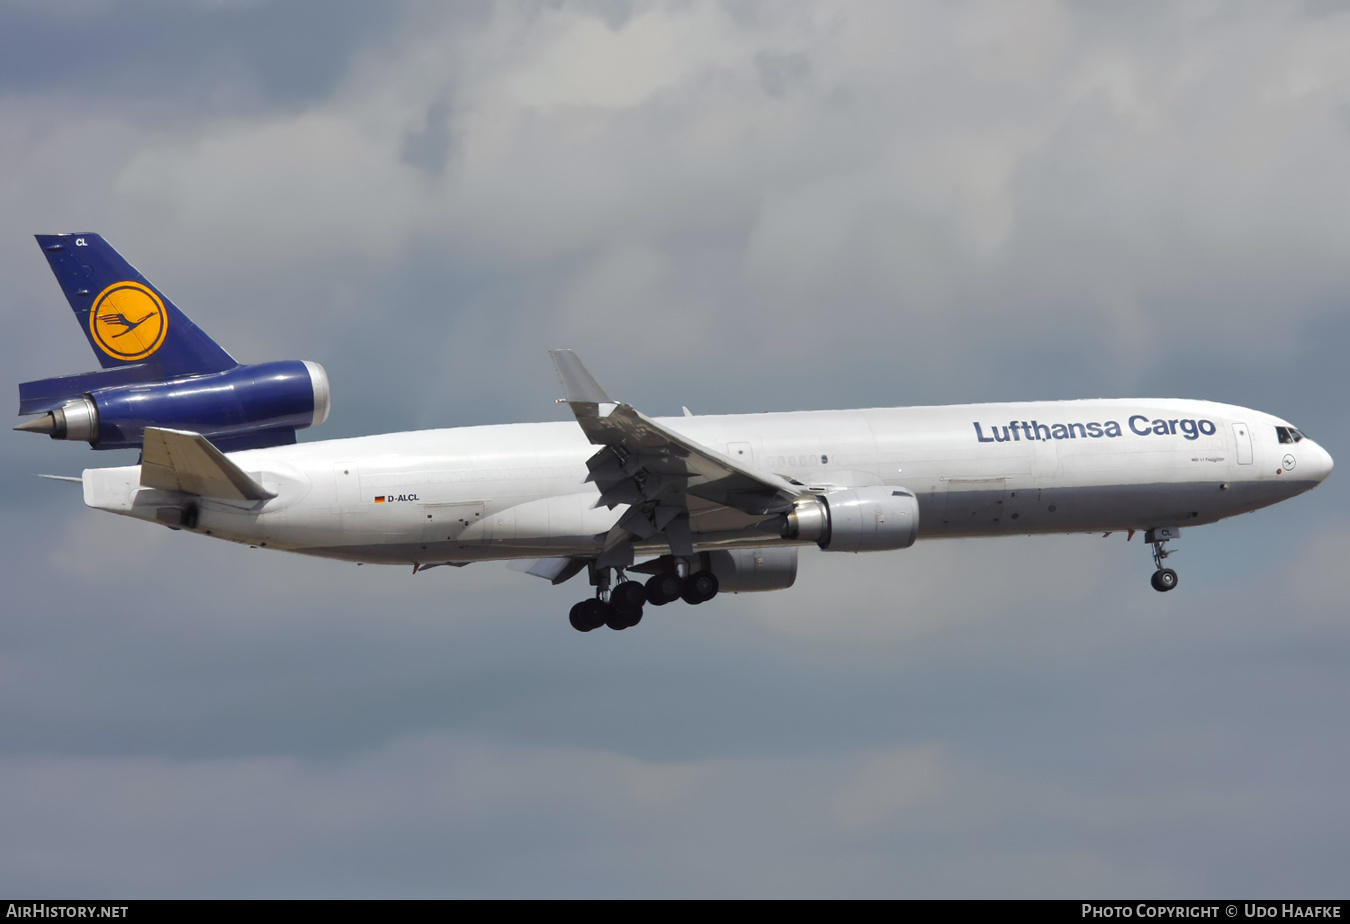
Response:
column 429, row 146
column 736, row 207
column 178, row 60
column 781, row 73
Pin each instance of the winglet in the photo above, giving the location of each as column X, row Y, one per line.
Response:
column 178, row 460
column 579, row 386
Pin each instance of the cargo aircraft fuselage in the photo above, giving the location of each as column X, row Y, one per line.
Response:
column 696, row 503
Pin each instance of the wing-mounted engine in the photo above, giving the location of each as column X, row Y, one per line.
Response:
column 159, row 369
column 858, row 520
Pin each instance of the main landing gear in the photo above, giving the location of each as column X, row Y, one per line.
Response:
column 621, row 606
column 1164, row 579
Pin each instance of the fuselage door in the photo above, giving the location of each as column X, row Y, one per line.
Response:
column 348, row 480
column 974, row 505
column 1242, row 437
column 444, row 522
column 741, row 453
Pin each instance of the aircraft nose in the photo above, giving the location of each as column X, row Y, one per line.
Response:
column 1320, row 463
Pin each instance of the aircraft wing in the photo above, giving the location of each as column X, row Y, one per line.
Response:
column 655, row 470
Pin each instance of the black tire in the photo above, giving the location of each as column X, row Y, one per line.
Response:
column 619, row 617
column 624, row 617
column 1164, row 580
column 629, row 595
column 600, row 611
column 700, row 587
column 580, row 618
column 595, row 613
column 664, row 588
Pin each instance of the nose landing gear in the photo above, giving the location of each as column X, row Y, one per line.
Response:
column 1164, row 579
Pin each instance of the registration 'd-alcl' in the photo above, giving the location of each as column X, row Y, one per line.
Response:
column 653, row 510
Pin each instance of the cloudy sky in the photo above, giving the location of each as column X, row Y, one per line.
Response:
column 736, row 206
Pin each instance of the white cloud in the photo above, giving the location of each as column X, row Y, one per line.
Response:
column 588, row 63
column 941, row 166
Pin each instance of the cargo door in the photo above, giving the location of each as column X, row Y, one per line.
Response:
column 975, row 506
column 444, row 522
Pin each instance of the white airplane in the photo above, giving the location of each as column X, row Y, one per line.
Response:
column 694, row 504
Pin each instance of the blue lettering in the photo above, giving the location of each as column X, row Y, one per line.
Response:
column 1139, row 425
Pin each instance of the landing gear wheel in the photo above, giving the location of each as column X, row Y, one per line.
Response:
column 700, row 587
column 623, row 617
column 582, row 616
column 664, row 588
column 1164, row 579
column 629, row 595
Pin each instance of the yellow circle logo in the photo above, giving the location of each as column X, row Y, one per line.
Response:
column 128, row 321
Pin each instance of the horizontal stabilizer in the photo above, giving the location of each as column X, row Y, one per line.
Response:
column 555, row 570
column 176, row 460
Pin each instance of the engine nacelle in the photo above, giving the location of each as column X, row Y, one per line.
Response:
column 857, row 520
column 243, row 407
column 749, row 570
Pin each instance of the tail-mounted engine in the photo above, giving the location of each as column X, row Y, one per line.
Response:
column 159, row 369
column 857, row 520
column 242, row 408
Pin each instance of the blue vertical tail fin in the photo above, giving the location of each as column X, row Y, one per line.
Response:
column 127, row 320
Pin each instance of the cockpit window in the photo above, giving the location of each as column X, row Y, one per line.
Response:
column 1288, row 434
